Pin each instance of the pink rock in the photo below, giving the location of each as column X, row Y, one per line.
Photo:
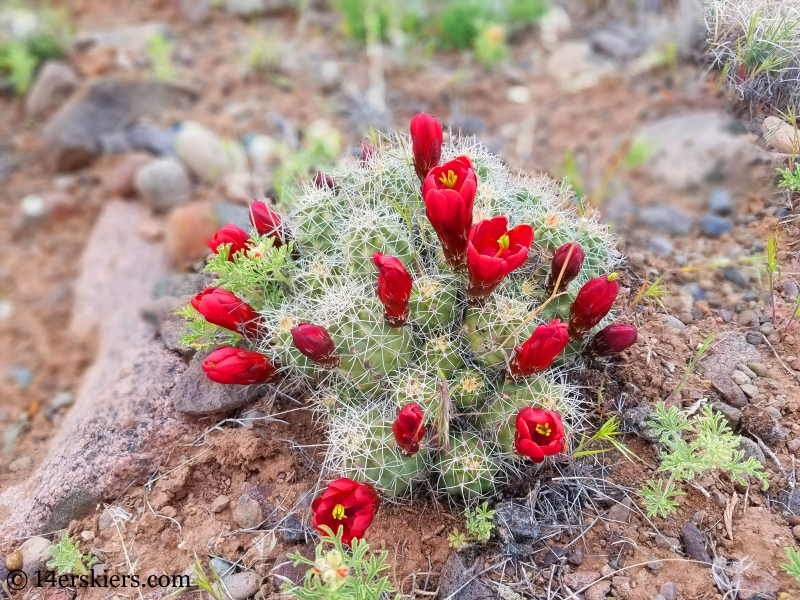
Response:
column 55, row 82
column 119, row 181
column 188, row 230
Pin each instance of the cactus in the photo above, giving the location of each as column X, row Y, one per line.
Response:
column 450, row 358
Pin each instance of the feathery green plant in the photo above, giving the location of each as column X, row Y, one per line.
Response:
column 479, row 522
column 793, row 566
column 68, row 559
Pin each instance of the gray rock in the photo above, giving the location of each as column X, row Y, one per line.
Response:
column 669, row 591
column 244, row 8
column 719, row 201
column 714, row 226
column 766, row 328
column 576, row 557
column 674, row 322
column 736, row 276
column 222, row 567
column 575, row 66
column 665, row 218
column 220, row 504
column 227, row 212
column 598, row 591
column 747, row 317
column 202, row 151
column 793, row 501
column 179, row 284
column 725, row 315
column 666, row 543
column 466, row 124
column 518, row 520
column 242, row 585
column 581, row 579
column 35, row 555
column 758, row 368
column 751, row 449
column 746, row 370
column 55, row 83
column 755, row 338
column 170, row 326
column 636, row 419
column 248, row 513
column 163, row 184
column 731, row 392
column 293, row 530
column 654, row 565
column 456, row 582
column 613, row 44
column 790, row 289
column 774, row 413
column 724, row 354
column 693, row 543
column 619, row 207
column 195, row 394
column 660, row 246
column 73, row 137
column 750, row 390
column 732, row 415
column 740, row 378
column 131, row 41
column 155, row 140
column 621, row 511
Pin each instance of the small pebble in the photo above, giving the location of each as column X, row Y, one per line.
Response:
column 746, row 370
column 747, row 317
column 719, row 201
column 774, row 413
column 674, row 323
column 669, row 591
column 750, row 390
column 14, row 561
column 736, row 276
column 720, row 499
column 754, row 338
column 740, row 378
column 796, row 532
column 759, row 369
column 518, row 94
column 714, row 226
column 766, row 328
column 220, row 504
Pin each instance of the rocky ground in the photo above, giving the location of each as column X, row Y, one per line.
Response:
column 105, row 208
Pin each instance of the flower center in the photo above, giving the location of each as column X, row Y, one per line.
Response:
column 541, row 429
column 612, row 277
column 503, row 242
column 338, row 512
column 449, row 180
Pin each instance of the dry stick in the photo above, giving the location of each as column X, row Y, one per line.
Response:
column 769, row 453
column 131, row 570
column 785, row 368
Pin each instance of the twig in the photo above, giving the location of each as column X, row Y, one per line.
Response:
column 785, row 368
column 769, row 453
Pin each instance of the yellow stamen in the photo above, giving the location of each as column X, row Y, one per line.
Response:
column 612, row 277
column 504, row 242
column 338, row 512
column 449, row 180
column 542, row 429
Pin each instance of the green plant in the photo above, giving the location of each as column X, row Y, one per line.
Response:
column 658, row 497
column 204, row 582
column 341, row 574
column 479, row 522
column 320, row 147
column 793, row 566
column 772, row 266
column 608, row 433
column 67, row 558
column 701, row 350
column 19, row 64
column 457, row 540
column 490, row 45
column 159, row 51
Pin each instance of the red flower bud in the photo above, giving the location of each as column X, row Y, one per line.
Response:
column 426, row 143
column 613, row 339
column 235, row 366
column 539, row 433
column 394, row 288
column 230, row 234
column 324, row 181
column 267, row 222
column 592, row 304
column 367, row 151
column 408, row 428
column 449, row 195
column 493, row 252
column 315, row 343
column 572, row 268
column 346, row 504
column 540, row 350
column 222, row 308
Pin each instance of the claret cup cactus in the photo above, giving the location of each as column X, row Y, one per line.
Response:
column 423, row 295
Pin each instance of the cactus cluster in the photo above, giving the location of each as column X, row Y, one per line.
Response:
column 449, row 356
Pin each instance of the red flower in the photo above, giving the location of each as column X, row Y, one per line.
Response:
column 408, row 428
column 232, row 365
column 315, row 343
column 426, row 143
column 230, row 234
column 573, row 266
column 347, row 504
column 540, row 350
column 592, row 304
column 394, row 288
column 449, row 194
column 539, row 433
column 613, row 339
column 324, row 181
column 493, row 252
column 226, row 310
column 367, row 151
column 267, row 222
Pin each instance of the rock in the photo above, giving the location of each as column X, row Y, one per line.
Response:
column 621, row 511
column 244, row 8
column 73, row 137
column 755, row 338
column 518, row 94
column 660, row 246
column 119, row 181
column 739, row 378
column 35, row 555
column 202, row 151
column 725, row 315
column 612, row 44
column 242, row 586
column 576, row 558
column 724, row 355
column 179, row 284
column 222, row 567
column 714, row 226
column 14, row 561
column 622, row 587
column 732, row 415
column 247, row 513
column 720, row 499
column 758, row 422
column 456, row 582
column 170, row 326
column 598, row 591
column 736, row 276
column 122, row 423
column 796, row 532
column 227, row 212
column 61, row 400
column 163, row 184
column 195, row 11
column 21, row 465
column 130, row 41
column 779, row 135
column 731, row 392
column 619, row 207
column 581, row 579
column 750, row 390
column 654, row 565
column 747, row 317
column 790, row 288
column 674, row 322
column 759, row 369
column 669, row 591
column 793, row 501
column 285, row 572
column 719, row 201
column 687, row 317
column 663, row 218
column 293, row 530
column 758, row 584
column 751, row 449
column 188, row 230
column 155, row 140
column 195, row 394
column 220, row 504
column 636, row 419
column 693, row 543
column 55, row 83
column 575, row 67
column 766, row 328
column 518, row 520
column 240, row 187
column 666, row 543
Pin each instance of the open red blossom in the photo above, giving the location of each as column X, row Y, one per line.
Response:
column 592, row 303
column 315, row 343
column 449, row 195
column 267, row 222
column 408, row 428
column 613, row 339
column 230, row 234
column 539, row 433
column 236, row 366
column 571, row 270
column 347, row 504
column 223, row 308
column 540, row 350
column 394, row 288
column 493, row 252
column 426, row 143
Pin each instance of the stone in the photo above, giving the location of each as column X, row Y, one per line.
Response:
column 669, row 590
column 14, row 561
column 612, row 44
column 293, row 530
column 227, row 212
column 155, row 140
column 119, row 180
column 739, row 378
column 674, row 322
column 719, row 201
column 736, row 276
column 636, row 419
column 725, row 354
column 660, row 246
column 758, row 422
column 666, row 542
column 751, row 449
column 598, row 591
column 664, row 218
column 222, row 567
column 220, row 504
column 714, row 226
column 622, row 587
column 758, row 584
column 750, row 390
column 241, row 586
column 130, row 41
column 248, row 513
column 726, row 315
column 576, row 557
column 766, row 328
column 35, row 555
column 795, row 533
column 694, row 544
column 459, row 583
column 122, row 423
column 758, row 368
column 518, row 520
column 747, row 317
column 790, row 288
column 731, row 392
column 780, row 135
column 195, row 394
column 244, row 8
column 720, row 499
column 187, row 233
column 581, row 579
column 732, row 415
column 793, row 501
column 73, row 137
column 163, row 184
column 621, row 511
column 21, row 465
column 575, row 67
column 170, row 326
column 55, row 83
column 755, row 338
column 203, row 152
column 41, row 208
column 285, row 571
